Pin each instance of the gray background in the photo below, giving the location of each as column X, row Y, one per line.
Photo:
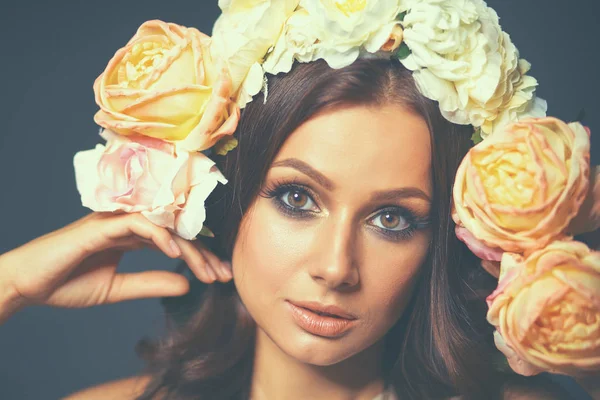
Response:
column 51, row 52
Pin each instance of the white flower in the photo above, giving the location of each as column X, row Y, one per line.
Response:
column 243, row 34
column 345, row 26
column 298, row 41
column 522, row 104
column 462, row 59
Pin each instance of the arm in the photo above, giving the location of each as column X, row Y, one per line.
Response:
column 10, row 299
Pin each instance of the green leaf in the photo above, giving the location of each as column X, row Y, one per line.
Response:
column 476, row 138
column 400, row 17
column 225, row 145
column 403, row 51
column 206, row 232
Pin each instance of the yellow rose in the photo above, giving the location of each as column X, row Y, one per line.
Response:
column 547, row 309
column 519, row 188
column 164, row 84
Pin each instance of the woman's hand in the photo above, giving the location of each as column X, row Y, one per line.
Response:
column 75, row 266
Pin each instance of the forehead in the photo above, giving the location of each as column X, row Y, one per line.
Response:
column 378, row 148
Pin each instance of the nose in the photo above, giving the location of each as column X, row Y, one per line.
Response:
column 336, row 264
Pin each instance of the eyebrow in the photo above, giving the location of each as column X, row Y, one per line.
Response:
column 385, row 195
column 402, row 193
column 306, row 170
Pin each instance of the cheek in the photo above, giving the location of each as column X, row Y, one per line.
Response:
column 390, row 275
column 266, row 252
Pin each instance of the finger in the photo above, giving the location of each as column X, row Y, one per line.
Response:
column 219, row 266
column 213, row 261
column 148, row 284
column 196, row 261
column 122, row 227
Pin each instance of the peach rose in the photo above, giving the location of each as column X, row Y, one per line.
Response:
column 519, row 189
column 164, row 84
column 146, row 175
column 547, row 309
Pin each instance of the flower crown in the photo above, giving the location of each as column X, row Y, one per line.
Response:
column 172, row 95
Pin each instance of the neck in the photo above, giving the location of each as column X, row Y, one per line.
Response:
column 276, row 375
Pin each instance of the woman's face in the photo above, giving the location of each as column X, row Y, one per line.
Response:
column 341, row 221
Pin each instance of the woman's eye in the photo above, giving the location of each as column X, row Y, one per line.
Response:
column 298, row 200
column 390, row 221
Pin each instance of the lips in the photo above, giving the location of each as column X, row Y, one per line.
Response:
column 321, row 320
column 325, row 310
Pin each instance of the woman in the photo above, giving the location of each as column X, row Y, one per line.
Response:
column 339, row 202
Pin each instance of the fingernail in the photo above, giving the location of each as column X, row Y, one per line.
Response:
column 175, row 248
column 226, row 272
column 211, row 273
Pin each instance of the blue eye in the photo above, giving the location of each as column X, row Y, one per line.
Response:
column 297, row 199
column 390, row 220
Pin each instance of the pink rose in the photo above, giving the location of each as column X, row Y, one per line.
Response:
column 146, row 175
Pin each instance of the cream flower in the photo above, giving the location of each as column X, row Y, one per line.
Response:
column 146, row 175
column 344, row 27
column 518, row 103
column 463, row 60
column 299, row 41
column 243, row 34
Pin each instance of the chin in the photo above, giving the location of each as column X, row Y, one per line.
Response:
column 315, row 350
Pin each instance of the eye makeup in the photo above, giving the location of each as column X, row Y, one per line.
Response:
column 298, row 201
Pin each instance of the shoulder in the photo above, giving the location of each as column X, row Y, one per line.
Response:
column 123, row 389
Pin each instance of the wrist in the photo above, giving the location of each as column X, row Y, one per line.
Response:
column 11, row 300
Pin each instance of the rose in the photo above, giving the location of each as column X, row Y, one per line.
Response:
column 547, row 309
column 298, row 41
column 518, row 101
column 242, row 36
column 519, row 189
column 463, row 60
column 345, row 27
column 164, row 84
column 146, row 175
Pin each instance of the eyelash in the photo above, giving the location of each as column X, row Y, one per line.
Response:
column 278, row 189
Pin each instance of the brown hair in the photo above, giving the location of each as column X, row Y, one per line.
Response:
column 440, row 347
